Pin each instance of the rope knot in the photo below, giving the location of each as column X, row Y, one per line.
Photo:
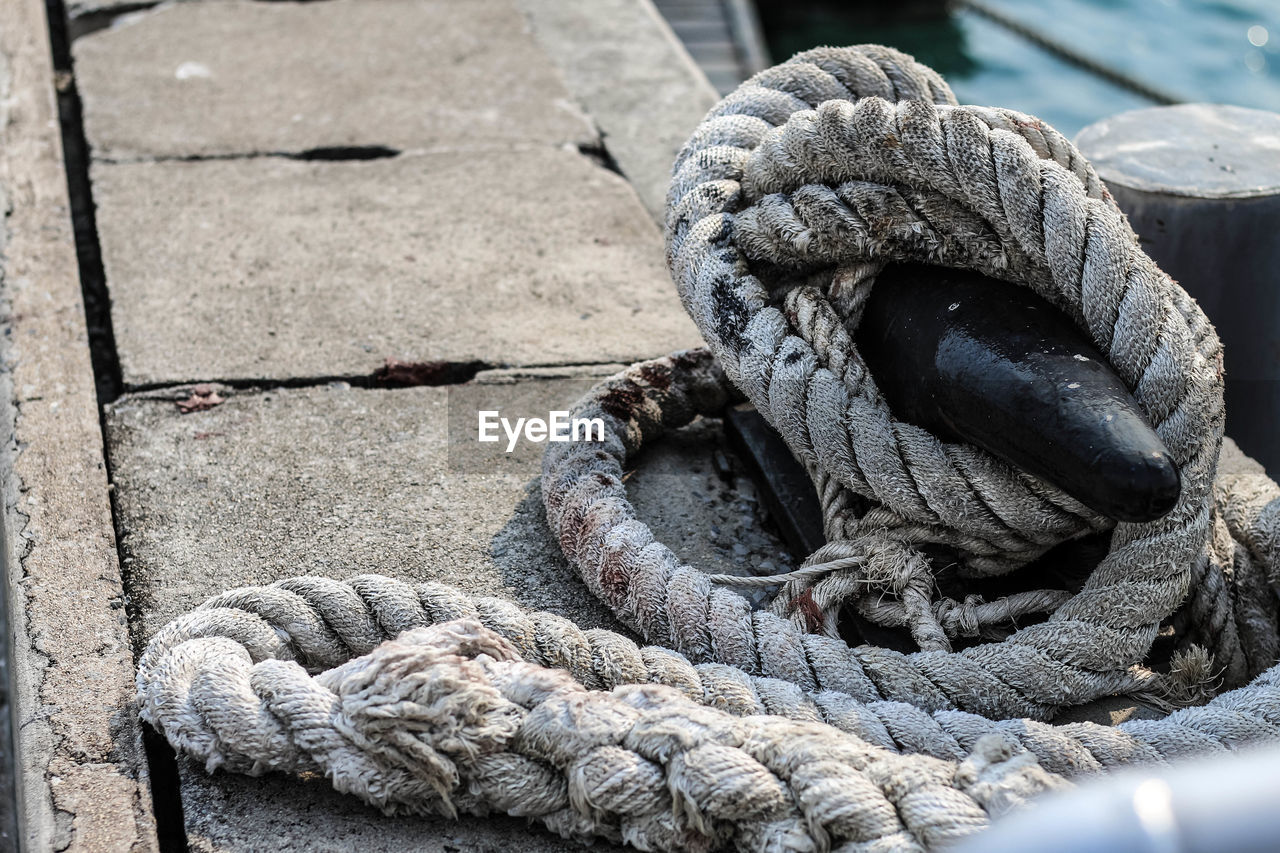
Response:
column 960, row 618
column 891, row 565
column 864, row 571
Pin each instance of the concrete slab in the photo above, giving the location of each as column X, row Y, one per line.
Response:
column 214, row 78
column 270, row 268
column 338, row 481
column 623, row 63
column 81, row 772
column 331, row 480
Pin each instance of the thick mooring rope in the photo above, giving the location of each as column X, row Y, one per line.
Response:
column 830, row 163
column 761, row 728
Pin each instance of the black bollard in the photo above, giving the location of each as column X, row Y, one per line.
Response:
column 1201, row 186
column 976, row 360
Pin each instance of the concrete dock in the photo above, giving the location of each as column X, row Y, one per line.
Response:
column 299, row 207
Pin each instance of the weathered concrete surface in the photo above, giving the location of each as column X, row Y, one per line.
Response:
column 623, row 63
column 699, row 499
column 82, row 773
column 236, row 77
column 340, row 481
column 269, row 268
column 328, row 480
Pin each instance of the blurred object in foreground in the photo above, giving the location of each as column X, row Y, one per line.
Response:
column 1228, row 803
column 1201, row 186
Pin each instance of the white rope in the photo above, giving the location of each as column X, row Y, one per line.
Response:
column 759, row 728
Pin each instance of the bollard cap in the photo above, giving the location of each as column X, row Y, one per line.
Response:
column 1195, row 150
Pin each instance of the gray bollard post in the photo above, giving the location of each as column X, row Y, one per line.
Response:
column 1201, row 186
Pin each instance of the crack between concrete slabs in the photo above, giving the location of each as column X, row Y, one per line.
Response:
column 100, row 19
column 394, row 375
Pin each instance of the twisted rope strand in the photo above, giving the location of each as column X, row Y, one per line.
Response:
column 322, row 624
column 448, row 718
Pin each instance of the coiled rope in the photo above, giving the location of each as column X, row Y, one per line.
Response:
column 760, row 728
